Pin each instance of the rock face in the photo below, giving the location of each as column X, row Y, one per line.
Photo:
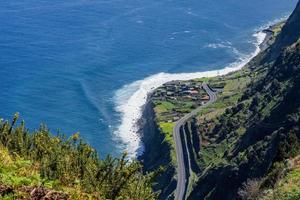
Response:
column 289, row 34
column 157, row 154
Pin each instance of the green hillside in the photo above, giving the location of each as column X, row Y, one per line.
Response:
column 249, row 143
column 246, row 145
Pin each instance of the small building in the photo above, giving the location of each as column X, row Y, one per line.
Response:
column 194, row 92
column 188, row 97
column 170, row 93
column 205, row 98
column 176, row 118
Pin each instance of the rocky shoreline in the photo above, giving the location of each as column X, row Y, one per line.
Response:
column 270, row 35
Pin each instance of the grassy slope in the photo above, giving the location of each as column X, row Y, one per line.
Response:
column 234, row 84
column 288, row 188
column 17, row 172
column 166, row 127
column 215, row 154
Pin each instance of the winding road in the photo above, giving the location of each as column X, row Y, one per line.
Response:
column 181, row 171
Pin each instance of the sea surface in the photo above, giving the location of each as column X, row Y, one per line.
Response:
column 87, row 65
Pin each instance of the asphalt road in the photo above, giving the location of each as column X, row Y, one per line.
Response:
column 182, row 178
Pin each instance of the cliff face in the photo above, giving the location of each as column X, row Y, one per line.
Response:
column 289, row 34
column 157, row 154
column 268, row 138
column 264, row 128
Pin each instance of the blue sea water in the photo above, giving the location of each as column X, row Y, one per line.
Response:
column 62, row 61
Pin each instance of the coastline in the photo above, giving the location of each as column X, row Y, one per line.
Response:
column 157, row 151
column 133, row 116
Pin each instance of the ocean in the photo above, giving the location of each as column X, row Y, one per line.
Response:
column 87, row 65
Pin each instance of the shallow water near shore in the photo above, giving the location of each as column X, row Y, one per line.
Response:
column 87, row 65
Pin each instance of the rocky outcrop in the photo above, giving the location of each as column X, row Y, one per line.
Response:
column 34, row 193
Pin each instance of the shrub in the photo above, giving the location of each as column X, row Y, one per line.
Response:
column 250, row 190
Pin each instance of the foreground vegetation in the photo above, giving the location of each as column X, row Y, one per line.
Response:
column 37, row 163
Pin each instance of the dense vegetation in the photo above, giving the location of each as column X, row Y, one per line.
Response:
column 251, row 137
column 246, row 145
column 38, row 163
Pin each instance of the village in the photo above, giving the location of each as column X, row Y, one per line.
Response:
column 176, row 98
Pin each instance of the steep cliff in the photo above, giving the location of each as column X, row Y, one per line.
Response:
column 157, row 154
column 246, row 137
column 289, row 34
column 262, row 130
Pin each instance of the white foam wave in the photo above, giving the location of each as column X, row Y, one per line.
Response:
column 225, row 45
column 131, row 98
column 218, row 45
column 272, row 22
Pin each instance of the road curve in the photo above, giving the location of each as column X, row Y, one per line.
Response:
column 181, row 175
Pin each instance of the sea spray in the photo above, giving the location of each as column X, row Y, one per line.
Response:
column 131, row 98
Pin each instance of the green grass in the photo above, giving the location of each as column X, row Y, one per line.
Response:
column 213, row 155
column 17, row 171
column 277, row 28
column 164, row 112
column 234, row 84
column 203, row 79
column 192, row 181
column 288, row 188
column 167, row 129
column 163, row 106
column 219, row 106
